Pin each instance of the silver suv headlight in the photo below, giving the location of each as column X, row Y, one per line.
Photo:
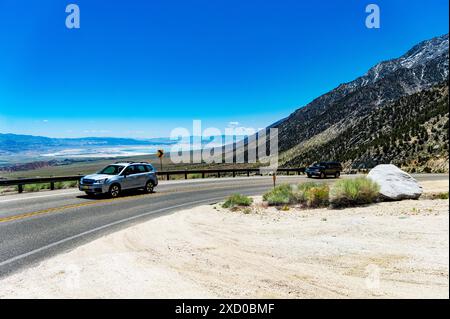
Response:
column 101, row 181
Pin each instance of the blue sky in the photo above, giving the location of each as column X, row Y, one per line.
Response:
column 142, row 68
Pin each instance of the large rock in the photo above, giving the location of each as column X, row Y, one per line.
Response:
column 394, row 183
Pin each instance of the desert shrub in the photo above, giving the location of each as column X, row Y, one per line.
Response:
column 236, row 200
column 35, row 187
column 8, row 189
column 41, row 186
column 300, row 191
column 280, row 195
column 353, row 192
column 318, row 196
column 427, row 169
column 443, row 195
column 65, row 185
column 312, row 194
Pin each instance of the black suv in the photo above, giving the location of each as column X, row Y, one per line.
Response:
column 324, row 169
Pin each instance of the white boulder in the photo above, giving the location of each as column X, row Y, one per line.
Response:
column 394, row 183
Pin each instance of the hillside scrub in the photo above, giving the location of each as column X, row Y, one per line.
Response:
column 353, row 192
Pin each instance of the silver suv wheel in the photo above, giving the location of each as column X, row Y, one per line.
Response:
column 114, row 190
column 149, row 187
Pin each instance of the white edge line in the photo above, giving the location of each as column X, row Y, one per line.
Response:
column 56, row 243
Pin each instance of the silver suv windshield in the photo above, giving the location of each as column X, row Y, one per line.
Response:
column 112, row 170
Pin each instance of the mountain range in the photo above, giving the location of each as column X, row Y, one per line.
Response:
column 13, row 143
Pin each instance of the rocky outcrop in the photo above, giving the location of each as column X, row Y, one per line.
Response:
column 395, row 184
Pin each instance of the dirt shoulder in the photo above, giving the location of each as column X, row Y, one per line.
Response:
column 386, row 250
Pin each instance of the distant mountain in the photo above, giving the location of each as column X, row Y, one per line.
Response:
column 13, row 143
column 328, row 117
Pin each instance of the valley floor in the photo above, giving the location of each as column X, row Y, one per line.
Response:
column 386, row 250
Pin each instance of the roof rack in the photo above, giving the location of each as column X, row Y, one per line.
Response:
column 131, row 162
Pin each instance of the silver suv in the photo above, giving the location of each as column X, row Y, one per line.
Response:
column 115, row 178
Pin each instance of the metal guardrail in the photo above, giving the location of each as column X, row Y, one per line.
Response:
column 204, row 173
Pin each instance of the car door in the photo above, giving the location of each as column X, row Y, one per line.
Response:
column 141, row 175
column 129, row 178
column 328, row 169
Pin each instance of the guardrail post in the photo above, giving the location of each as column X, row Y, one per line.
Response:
column 185, row 175
column 168, row 176
column 234, row 173
column 248, row 173
column 20, row 188
column 218, row 174
column 52, row 186
column 203, row 174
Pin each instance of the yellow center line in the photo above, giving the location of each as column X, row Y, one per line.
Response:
column 65, row 207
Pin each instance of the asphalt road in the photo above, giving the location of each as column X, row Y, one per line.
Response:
column 35, row 226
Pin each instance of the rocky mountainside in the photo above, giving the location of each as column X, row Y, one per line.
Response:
column 326, row 118
column 411, row 132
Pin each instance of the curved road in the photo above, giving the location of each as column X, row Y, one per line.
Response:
column 35, row 226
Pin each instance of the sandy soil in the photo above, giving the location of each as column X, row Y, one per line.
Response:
column 386, row 250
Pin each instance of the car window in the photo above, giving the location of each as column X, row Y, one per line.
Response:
column 140, row 169
column 149, row 168
column 111, row 170
column 129, row 170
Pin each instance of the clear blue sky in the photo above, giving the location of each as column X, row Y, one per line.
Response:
column 140, row 68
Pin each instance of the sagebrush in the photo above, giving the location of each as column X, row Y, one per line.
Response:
column 237, row 200
column 280, row 195
column 354, row 192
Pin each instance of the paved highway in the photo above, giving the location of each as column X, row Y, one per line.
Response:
column 35, row 226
